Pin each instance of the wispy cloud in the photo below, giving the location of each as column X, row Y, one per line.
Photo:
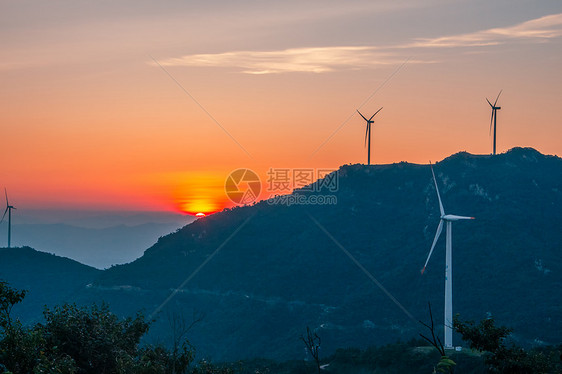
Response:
column 543, row 28
column 328, row 59
column 314, row 60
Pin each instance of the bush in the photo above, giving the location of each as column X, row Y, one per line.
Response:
column 84, row 340
column 490, row 339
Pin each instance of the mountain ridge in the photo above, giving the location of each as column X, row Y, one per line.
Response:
column 48, row 278
column 280, row 272
column 367, row 197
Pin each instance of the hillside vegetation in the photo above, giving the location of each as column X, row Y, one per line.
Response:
column 273, row 269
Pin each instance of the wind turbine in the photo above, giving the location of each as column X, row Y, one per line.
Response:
column 9, row 211
column 448, row 218
column 494, row 117
column 368, row 133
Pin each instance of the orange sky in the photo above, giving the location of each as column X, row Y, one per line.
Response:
column 88, row 120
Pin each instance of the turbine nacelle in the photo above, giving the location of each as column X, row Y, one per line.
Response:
column 493, row 106
column 370, row 120
column 495, row 102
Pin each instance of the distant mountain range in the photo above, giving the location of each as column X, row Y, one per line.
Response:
column 271, row 270
column 95, row 238
column 96, row 219
column 97, row 247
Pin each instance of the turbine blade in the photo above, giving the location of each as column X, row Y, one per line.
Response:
column 439, row 229
column 489, row 102
column 362, row 116
column 375, row 114
column 492, row 121
column 6, row 193
column 366, row 133
column 495, row 102
column 452, row 217
column 437, row 189
column 6, row 211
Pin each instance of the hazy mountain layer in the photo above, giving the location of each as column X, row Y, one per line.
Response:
column 97, row 247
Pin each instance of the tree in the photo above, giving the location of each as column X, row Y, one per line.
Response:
column 181, row 349
column 8, row 298
column 490, row 339
column 445, row 364
column 312, row 343
column 19, row 346
column 94, row 337
column 85, row 340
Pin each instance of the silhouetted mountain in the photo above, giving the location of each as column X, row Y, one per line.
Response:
column 49, row 279
column 272, row 270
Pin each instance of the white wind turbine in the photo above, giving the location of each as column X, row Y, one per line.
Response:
column 448, row 218
column 494, row 118
column 9, row 211
column 368, row 133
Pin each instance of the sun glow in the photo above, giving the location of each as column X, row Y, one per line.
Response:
column 196, row 207
column 199, row 192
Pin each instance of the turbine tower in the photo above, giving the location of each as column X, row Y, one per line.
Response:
column 9, row 211
column 447, row 218
column 494, row 117
column 368, row 133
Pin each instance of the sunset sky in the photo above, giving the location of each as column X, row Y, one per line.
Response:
column 149, row 105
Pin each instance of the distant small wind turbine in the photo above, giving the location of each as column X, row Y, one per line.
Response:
column 449, row 218
column 494, row 117
column 9, row 211
column 368, row 133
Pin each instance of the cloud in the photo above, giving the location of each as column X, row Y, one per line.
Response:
column 328, row 59
column 543, row 28
column 313, row 60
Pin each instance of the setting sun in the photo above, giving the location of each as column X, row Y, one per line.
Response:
column 201, row 207
column 193, row 192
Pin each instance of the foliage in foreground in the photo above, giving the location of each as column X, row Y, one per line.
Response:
column 86, row 340
column 500, row 357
